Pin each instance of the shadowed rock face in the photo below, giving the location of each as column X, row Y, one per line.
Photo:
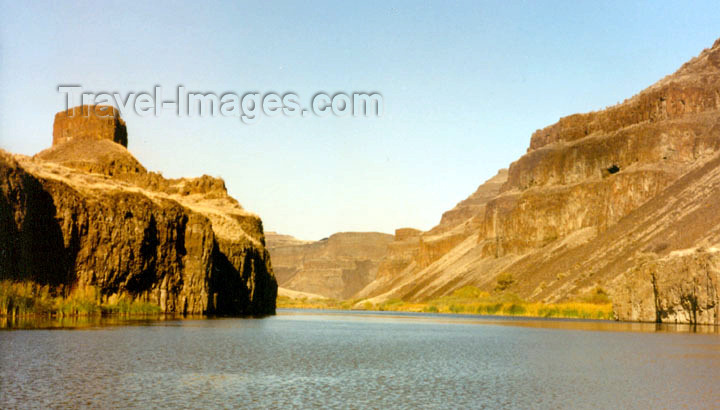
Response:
column 336, row 267
column 596, row 196
column 86, row 213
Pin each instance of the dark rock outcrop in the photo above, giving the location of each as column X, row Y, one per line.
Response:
column 86, row 213
column 682, row 287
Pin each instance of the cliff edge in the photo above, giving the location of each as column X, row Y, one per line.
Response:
column 85, row 212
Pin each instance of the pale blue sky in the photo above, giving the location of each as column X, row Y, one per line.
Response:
column 464, row 85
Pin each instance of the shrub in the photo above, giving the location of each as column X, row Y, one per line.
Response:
column 22, row 298
column 456, row 309
column 548, row 311
column 126, row 306
column 504, row 281
column 470, row 292
column 516, row 309
column 489, row 308
column 598, row 296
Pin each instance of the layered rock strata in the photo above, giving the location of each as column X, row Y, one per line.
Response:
column 86, row 213
column 594, row 197
column 336, row 267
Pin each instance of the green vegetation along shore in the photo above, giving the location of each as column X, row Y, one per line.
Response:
column 18, row 299
column 28, row 298
column 471, row 300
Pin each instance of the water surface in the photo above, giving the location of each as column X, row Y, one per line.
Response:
column 361, row 360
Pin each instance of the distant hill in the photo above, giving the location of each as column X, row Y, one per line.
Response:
column 336, row 267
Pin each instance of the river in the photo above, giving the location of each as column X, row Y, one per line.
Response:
column 311, row 359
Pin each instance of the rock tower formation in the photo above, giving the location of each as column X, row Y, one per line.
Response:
column 91, row 122
column 86, row 213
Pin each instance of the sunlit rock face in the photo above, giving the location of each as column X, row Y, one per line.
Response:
column 336, row 267
column 595, row 195
column 86, row 213
column 89, row 122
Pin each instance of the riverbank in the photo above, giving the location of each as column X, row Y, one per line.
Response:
column 470, row 300
column 18, row 299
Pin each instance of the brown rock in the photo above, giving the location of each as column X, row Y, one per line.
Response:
column 89, row 122
column 692, row 89
column 336, row 267
column 681, row 288
column 592, row 193
column 86, row 213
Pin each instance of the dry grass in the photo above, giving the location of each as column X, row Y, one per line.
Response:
column 26, row 298
column 470, row 300
column 220, row 208
column 312, row 303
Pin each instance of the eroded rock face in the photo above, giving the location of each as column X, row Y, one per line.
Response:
column 90, row 122
column 336, row 267
column 592, row 193
column 86, row 213
column 680, row 288
column 692, row 89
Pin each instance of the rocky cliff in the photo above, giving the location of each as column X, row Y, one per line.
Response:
column 86, row 213
column 96, row 122
column 336, row 267
column 605, row 199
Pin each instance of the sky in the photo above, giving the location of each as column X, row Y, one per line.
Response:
column 464, row 85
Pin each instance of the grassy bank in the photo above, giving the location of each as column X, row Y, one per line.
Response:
column 28, row 298
column 470, row 300
column 18, row 299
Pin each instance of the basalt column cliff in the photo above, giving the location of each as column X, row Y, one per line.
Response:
column 626, row 199
column 86, row 213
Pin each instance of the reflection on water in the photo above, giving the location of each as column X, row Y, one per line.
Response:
column 42, row 322
column 359, row 359
column 545, row 323
column 83, row 322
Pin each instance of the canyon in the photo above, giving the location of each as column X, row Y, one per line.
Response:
column 86, row 213
column 624, row 199
column 336, row 267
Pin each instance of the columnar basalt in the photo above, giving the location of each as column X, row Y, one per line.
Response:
column 86, row 213
column 90, row 122
column 594, row 195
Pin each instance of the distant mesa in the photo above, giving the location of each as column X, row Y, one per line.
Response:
column 402, row 234
column 335, row 267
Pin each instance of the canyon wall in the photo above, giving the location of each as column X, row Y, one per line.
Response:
column 336, row 267
column 86, row 213
column 605, row 199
